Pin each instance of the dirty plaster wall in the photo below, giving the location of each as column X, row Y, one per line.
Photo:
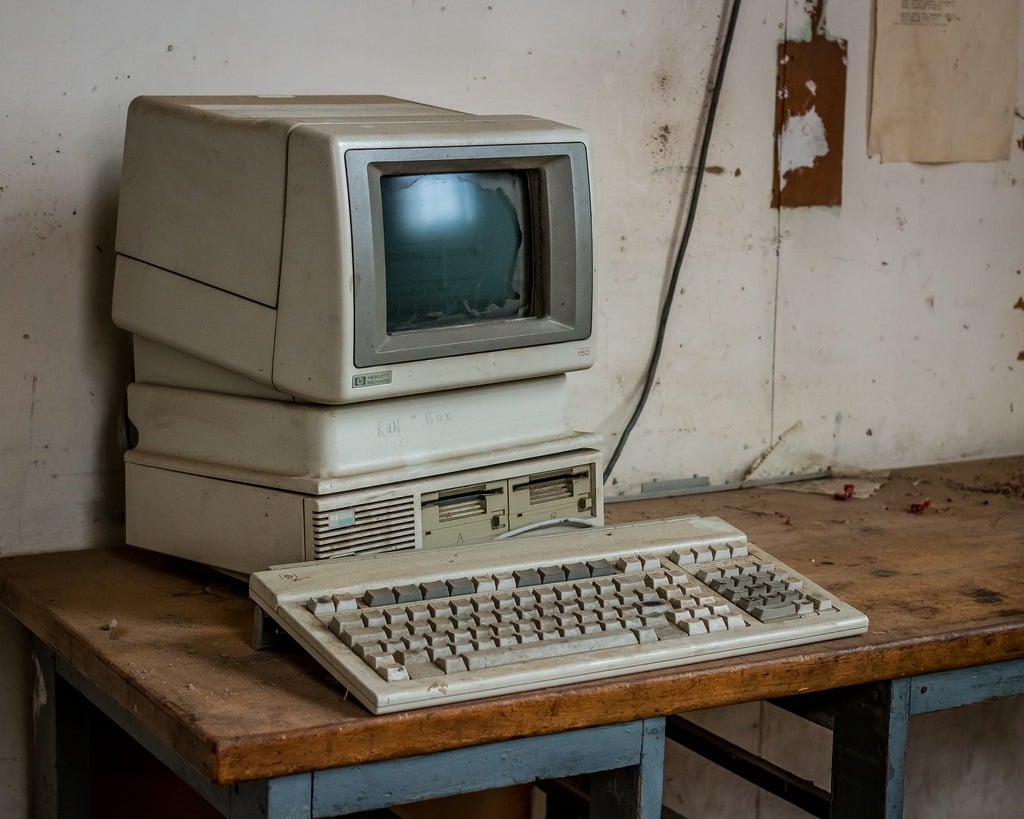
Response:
column 886, row 326
column 897, row 339
column 891, row 314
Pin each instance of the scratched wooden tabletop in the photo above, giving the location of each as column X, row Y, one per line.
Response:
column 943, row 587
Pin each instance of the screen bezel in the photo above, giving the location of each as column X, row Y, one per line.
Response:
column 561, row 250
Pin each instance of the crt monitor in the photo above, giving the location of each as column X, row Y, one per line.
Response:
column 345, row 249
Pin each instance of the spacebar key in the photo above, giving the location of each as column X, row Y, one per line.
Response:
column 506, row 655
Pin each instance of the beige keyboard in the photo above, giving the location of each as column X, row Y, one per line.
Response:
column 416, row 628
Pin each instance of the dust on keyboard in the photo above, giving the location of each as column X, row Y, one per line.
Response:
column 411, row 629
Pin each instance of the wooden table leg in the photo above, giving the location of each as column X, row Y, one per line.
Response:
column 868, row 749
column 61, row 768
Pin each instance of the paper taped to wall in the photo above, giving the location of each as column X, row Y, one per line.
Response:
column 944, row 80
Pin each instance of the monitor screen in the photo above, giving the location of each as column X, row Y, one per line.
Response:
column 463, row 250
column 456, row 248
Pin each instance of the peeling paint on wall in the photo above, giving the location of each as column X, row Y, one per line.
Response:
column 809, row 118
column 801, row 142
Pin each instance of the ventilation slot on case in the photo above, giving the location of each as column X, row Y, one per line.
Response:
column 379, row 526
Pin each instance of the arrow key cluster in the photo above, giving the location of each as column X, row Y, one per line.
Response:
column 761, row 591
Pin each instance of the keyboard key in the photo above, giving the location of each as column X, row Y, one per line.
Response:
column 344, row 602
column 733, row 621
column 628, row 582
column 369, row 651
column 440, row 608
column 484, row 583
column 527, row 577
column 321, row 606
column 433, row 590
column 379, row 597
column 552, row 574
column 458, row 586
column 715, row 624
column 396, row 614
column 418, row 612
column 351, row 636
column 372, row 618
column 544, row 595
column 408, row 593
column 451, row 665
column 461, row 608
column 341, row 622
column 629, row 564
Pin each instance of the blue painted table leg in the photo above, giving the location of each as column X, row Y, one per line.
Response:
column 869, row 745
column 633, row 792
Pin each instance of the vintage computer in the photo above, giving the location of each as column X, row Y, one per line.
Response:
column 352, row 318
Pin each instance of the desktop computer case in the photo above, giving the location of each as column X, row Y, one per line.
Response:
column 243, row 483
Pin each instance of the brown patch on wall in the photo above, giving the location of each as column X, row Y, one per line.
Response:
column 810, row 86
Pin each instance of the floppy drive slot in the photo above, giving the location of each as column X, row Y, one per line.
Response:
column 464, row 514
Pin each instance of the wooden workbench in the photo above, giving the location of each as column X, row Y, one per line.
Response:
column 167, row 644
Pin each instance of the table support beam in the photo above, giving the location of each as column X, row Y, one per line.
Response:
column 625, row 760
